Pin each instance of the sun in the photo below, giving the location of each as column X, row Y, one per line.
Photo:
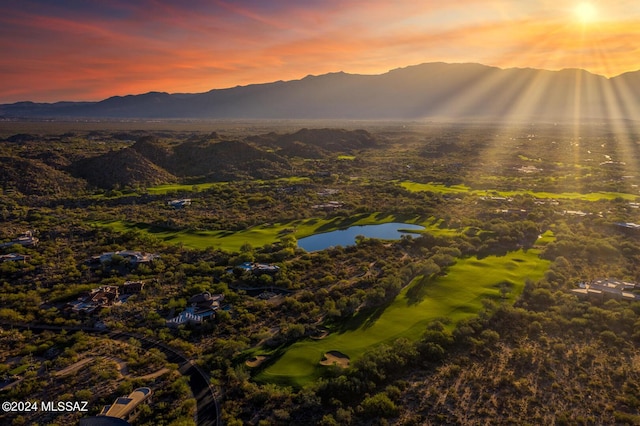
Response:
column 585, row 12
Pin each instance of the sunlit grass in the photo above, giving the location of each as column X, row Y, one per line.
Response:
column 435, row 187
column 175, row 187
column 546, row 238
column 457, row 189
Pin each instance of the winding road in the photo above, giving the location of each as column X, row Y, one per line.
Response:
column 207, row 408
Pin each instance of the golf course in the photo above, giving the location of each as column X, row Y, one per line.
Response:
column 260, row 235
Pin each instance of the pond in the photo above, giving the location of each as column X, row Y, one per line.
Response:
column 347, row 237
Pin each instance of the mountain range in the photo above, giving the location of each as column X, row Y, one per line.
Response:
column 431, row 90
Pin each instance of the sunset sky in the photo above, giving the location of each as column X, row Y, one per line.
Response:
column 90, row 50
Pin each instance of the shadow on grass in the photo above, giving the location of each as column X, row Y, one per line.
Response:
column 418, row 291
column 383, row 216
column 340, row 223
column 364, row 319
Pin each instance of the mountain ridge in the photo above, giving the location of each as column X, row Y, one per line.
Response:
column 428, row 90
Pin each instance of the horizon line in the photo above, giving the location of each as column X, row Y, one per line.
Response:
column 317, row 75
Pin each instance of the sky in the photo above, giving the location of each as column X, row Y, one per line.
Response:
column 89, row 50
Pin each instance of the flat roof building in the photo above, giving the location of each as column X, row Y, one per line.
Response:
column 125, row 406
column 124, row 410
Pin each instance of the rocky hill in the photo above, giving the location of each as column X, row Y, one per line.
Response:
column 125, row 167
column 33, row 177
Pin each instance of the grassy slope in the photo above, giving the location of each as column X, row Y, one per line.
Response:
column 456, row 189
column 457, row 295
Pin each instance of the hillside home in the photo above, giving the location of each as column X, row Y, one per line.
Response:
column 201, row 308
column 178, row 204
column 628, row 225
column 101, row 297
column 14, row 257
column 607, row 288
column 134, row 257
column 259, row 268
column 331, row 205
column 124, row 410
column 27, row 240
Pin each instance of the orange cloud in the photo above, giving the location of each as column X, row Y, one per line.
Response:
column 54, row 54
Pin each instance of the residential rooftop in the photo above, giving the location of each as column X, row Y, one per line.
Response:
column 124, row 406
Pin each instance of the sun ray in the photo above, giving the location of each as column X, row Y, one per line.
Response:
column 585, row 12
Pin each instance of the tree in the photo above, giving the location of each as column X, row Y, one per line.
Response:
column 379, row 405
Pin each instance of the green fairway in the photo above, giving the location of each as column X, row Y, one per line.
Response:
column 456, row 296
column 165, row 189
column 457, row 189
column 347, row 157
column 231, row 241
column 260, row 235
column 168, row 188
column 435, row 187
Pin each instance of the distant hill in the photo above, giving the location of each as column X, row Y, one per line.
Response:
column 316, row 143
column 433, row 90
column 211, row 157
column 222, row 160
column 125, row 167
column 33, row 177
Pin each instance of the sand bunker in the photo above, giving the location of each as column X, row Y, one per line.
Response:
column 256, row 361
column 335, row 358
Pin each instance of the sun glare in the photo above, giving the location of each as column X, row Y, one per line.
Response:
column 585, row 12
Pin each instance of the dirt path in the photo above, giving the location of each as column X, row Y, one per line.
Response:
column 74, row 367
column 152, row 375
column 122, row 366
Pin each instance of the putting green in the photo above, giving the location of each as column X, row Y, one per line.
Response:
column 457, row 295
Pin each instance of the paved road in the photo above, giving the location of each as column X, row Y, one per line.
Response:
column 206, row 403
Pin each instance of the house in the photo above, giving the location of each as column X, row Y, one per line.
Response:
column 14, row 257
column 259, row 268
column 328, row 192
column 331, row 205
column 124, row 410
column 201, row 307
column 27, row 240
column 206, row 300
column 607, row 288
column 101, row 297
column 134, row 257
column 178, row 204
column 519, row 212
column 578, row 213
column 628, row 225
